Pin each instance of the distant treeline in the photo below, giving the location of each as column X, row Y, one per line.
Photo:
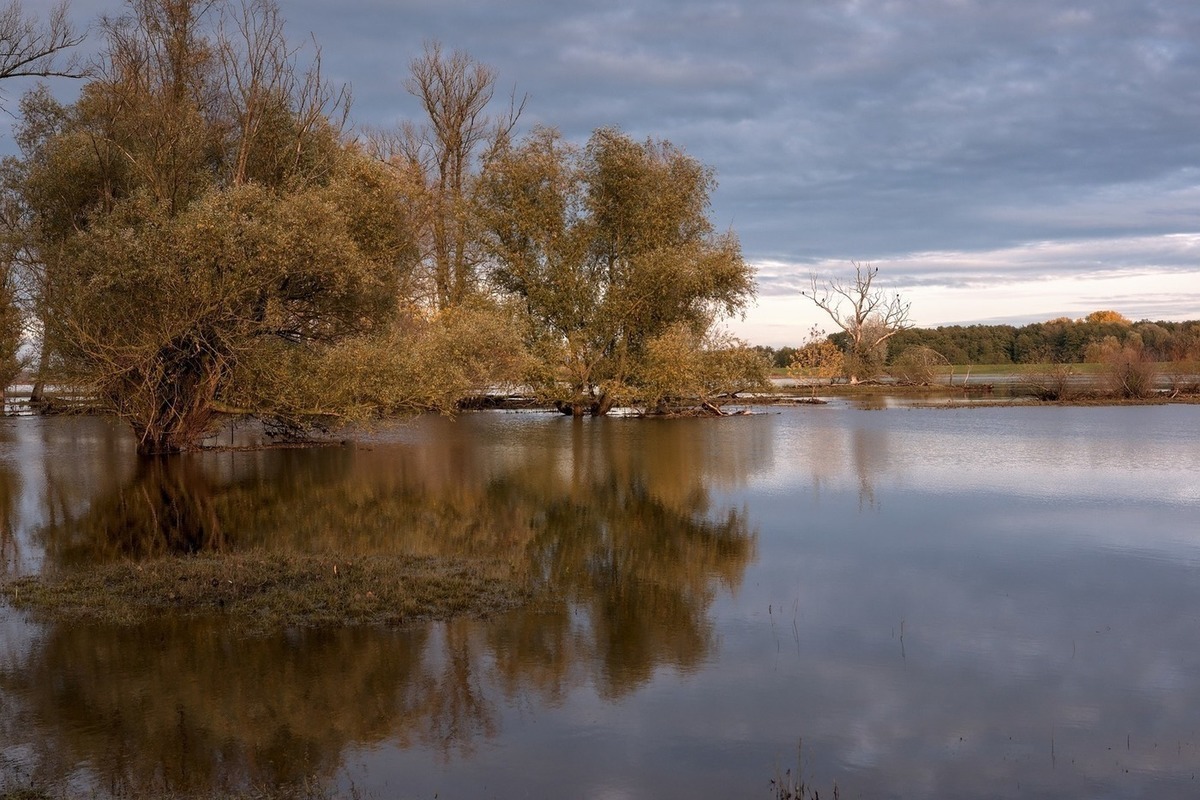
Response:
column 1057, row 341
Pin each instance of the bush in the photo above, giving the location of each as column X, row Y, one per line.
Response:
column 918, row 366
column 1129, row 371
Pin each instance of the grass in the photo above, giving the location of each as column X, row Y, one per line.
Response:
column 787, row 786
column 306, row 791
column 295, row 793
column 268, row 591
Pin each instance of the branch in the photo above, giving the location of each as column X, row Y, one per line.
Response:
column 29, row 49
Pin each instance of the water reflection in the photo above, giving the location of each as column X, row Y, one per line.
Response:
column 725, row 587
column 620, row 525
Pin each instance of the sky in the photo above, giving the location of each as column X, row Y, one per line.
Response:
column 999, row 161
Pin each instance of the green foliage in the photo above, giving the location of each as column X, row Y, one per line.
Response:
column 1057, row 341
column 608, row 248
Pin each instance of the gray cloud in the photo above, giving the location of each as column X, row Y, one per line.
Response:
column 867, row 129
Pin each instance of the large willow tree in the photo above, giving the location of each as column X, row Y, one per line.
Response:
column 204, row 235
column 611, row 251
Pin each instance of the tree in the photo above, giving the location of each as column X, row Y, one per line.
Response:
column 817, row 358
column 31, row 49
column 440, row 160
column 867, row 314
column 191, row 259
column 27, row 49
column 681, row 373
column 607, row 247
column 1106, row 316
column 12, row 328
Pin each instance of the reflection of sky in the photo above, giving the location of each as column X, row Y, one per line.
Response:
column 1008, row 546
column 993, row 602
column 987, row 603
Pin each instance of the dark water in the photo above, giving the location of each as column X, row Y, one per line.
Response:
column 989, row 602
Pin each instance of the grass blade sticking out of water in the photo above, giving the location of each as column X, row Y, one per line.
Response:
column 265, row 591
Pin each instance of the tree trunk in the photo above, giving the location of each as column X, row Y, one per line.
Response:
column 37, row 396
column 602, row 406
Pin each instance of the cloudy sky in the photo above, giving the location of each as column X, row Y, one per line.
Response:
column 998, row 160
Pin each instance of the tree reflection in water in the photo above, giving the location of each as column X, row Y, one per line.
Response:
column 615, row 518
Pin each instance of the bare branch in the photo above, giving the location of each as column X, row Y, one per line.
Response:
column 29, row 48
column 868, row 315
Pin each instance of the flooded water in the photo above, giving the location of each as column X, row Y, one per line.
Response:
column 969, row 603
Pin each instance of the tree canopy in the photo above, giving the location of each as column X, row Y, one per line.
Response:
column 610, row 249
column 199, row 222
column 197, row 234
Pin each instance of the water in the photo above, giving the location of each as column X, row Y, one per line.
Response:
column 985, row 602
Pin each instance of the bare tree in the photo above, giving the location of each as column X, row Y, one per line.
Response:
column 441, row 157
column 29, row 48
column 867, row 314
column 274, row 103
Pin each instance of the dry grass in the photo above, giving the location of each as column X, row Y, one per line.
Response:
column 307, row 791
column 266, row 591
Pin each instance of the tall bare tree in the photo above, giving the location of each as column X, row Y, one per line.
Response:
column 866, row 313
column 442, row 157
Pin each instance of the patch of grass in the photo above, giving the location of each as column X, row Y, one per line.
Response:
column 306, row 791
column 266, row 591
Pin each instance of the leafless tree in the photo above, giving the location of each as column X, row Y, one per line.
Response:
column 442, row 157
column 867, row 314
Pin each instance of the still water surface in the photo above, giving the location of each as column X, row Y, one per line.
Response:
column 987, row 602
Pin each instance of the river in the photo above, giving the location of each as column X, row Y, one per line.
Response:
column 938, row 602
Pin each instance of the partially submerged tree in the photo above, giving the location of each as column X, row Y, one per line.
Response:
column 867, row 314
column 180, row 273
column 681, row 374
column 1128, row 369
column 608, row 248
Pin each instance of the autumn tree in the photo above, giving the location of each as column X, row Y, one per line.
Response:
column 440, row 160
column 1128, row 369
column 608, row 248
column 918, row 366
column 867, row 314
column 817, row 359
column 202, row 227
column 1106, row 316
column 681, row 373
column 12, row 328
column 29, row 47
